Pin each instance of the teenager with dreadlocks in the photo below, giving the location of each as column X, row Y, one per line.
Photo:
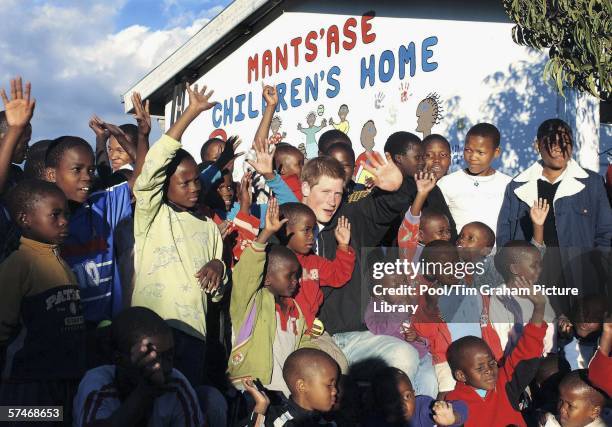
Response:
column 579, row 218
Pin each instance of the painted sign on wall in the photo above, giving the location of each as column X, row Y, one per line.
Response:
column 369, row 76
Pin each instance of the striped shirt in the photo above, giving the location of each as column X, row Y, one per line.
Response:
column 98, row 398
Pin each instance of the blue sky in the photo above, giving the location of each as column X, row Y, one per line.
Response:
column 80, row 56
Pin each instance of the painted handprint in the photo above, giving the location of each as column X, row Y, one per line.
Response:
column 378, row 100
column 404, row 86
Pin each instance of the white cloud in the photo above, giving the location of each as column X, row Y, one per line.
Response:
column 78, row 63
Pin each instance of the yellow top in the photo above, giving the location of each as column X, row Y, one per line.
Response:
column 170, row 248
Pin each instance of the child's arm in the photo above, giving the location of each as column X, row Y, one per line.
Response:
column 271, row 97
column 262, row 402
column 102, row 163
column 600, row 367
column 338, row 272
column 529, row 347
column 143, row 118
column 18, row 110
column 137, row 405
column 605, row 342
column 212, row 275
column 148, row 185
column 425, row 182
column 538, row 213
column 249, row 271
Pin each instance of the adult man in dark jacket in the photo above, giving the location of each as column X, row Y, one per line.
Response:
column 370, row 217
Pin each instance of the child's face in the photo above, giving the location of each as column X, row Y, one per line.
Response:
column 395, row 281
column 347, row 162
column 556, row 159
column 412, row 161
column 164, row 349
column 301, row 234
column 584, row 329
column 310, row 119
column 320, row 388
column 184, row 186
column 575, row 409
column 117, row 155
column 324, row 198
column 434, row 228
column 292, row 164
column 226, row 191
column 529, row 265
column 283, row 279
column 406, row 392
column 446, row 278
column 213, row 152
column 47, row 221
column 437, row 158
column 479, row 368
column 478, row 154
column 74, row 173
column 472, row 243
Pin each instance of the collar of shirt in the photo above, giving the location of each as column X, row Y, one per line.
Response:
column 292, row 313
column 559, row 178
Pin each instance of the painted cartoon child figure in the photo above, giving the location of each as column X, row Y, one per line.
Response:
column 429, row 113
column 312, row 149
column 276, row 136
column 343, row 125
column 368, row 133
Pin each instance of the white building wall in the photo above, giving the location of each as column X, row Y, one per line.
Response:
column 477, row 72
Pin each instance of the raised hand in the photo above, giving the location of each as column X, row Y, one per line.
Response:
column 97, row 125
column 386, row 174
column 425, row 182
column 264, row 160
column 245, row 194
column 343, row 231
column 210, row 275
column 141, row 114
column 199, row 100
column 144, row 356
column 443, row 413
column 538, row 211
column 323, row 123
column 273, row 221
column 20, row 108
column 565, row 326
column 228, row 155
column 535, row 298
column 270, row 95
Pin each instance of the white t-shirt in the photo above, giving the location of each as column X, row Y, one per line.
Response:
column 474, row 198
column 284, row 344
column 98, row 398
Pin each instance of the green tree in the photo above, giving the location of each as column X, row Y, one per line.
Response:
column 578, row 34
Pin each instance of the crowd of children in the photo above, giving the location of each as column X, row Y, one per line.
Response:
column 140, row 287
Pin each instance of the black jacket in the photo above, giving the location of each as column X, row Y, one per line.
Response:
column 370, row 219
column 435, row 200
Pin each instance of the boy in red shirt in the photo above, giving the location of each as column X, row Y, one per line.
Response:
column 299, row 236
column 491, row 391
